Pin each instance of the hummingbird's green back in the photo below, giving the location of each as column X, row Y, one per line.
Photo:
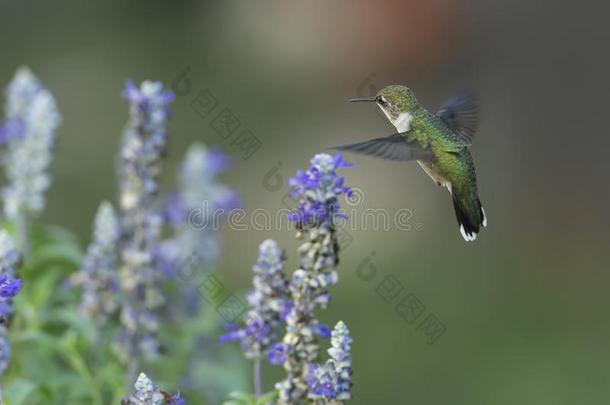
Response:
column 453, row 167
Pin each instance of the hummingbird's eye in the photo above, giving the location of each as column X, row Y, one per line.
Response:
column 381, row 100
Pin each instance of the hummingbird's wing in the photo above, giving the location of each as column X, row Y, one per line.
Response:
column 461, row 113
column 393, row 147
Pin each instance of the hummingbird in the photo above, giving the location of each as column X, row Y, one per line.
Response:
column 438, row 142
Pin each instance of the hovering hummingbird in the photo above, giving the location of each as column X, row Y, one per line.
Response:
column 438, row 142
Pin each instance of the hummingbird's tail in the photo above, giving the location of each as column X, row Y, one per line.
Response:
column 469, row 213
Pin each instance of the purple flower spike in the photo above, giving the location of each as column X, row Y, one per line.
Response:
column 147, row 393
column 267, row 300
column 319, row 188
column 98, row 276
column 9, row 288
column 194, row 208
column 143, row 146
column 28, row 134
column 333, row 379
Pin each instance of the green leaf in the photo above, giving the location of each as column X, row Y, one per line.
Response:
column 240, row 398
column 72, row 320
column 18, row 391
column 37, row 339
column 65, row 254
column 269, row 397
column 53, row 245
column 243, row 398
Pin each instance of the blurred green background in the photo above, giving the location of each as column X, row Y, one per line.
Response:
column 525, row 306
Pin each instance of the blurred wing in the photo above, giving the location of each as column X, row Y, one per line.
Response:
column 461, row 113
column 393, row 147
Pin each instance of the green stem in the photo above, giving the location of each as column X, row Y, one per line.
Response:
column 81, row 368
column 23, row 235
column 258, row 391
column 132, row 370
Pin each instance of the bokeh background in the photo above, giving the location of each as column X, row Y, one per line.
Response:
column 525, row 306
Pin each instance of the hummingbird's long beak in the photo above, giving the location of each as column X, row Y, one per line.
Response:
column 359, row 99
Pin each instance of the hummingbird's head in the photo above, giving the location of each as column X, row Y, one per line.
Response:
column 393, row 101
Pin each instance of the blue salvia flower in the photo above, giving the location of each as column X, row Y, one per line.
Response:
column 144, row 143
column 9, row 288
column 266, row 301
column 193, row 211
column 28, row 135
column 147, row 393
column 99, row 270
column 277, row 354
column 333, row 380
column 318, row 189
column 9, row 283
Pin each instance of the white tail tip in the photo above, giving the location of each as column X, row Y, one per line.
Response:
column 467, row 237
